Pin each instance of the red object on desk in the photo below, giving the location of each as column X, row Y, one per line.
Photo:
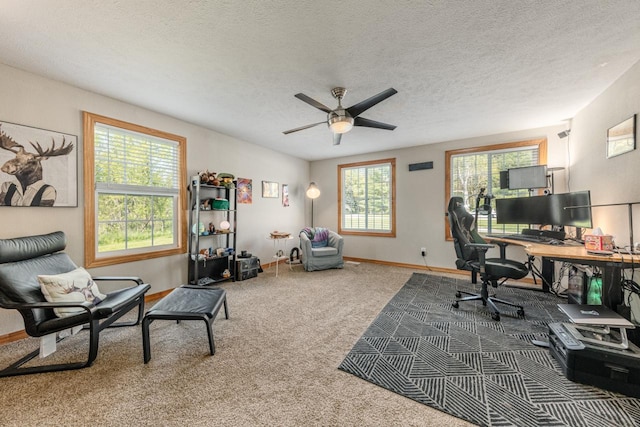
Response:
column 598, row 243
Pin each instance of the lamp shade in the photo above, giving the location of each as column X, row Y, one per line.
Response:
column 340, row 124
column 313, row 192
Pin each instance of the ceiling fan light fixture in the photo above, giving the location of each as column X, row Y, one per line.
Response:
column 340, row 124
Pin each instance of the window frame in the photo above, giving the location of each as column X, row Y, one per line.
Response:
column 392, row 232
column 541, row 143
column 90, row 209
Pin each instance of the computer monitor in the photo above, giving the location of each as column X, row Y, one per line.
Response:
column 564, row 210
column 523, row 210
column 527, row 177
column 554, row 209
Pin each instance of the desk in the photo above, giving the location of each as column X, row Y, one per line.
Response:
column 577, row 254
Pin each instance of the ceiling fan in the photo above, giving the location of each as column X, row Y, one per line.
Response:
column 340, row 120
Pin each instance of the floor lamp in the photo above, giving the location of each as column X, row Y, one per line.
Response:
column 313, row 192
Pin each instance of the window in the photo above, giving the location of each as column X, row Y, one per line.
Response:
column 134, row 194
column 469, row 170
column 367, row 198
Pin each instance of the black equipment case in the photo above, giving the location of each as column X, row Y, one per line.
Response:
column 247, row 268
column 608, row 368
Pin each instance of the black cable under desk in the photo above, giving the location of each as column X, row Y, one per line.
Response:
column 574, row 253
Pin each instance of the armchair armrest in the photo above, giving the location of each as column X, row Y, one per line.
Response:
column 336, row 241
column 87, row 306
column 138, row 280
column 305, row 244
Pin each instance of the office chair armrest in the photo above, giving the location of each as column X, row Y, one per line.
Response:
column 482, row 246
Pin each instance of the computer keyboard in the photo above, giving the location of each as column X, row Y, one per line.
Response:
column 523, row 237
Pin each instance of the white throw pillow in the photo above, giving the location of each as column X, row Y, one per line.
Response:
column 74, row 286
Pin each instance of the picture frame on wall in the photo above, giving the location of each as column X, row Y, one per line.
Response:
column 270, row 190
column 38, row 167
column 244, row 192
column 621, row 138
column 285, row 195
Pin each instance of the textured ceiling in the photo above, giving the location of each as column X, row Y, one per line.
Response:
column 461, row 68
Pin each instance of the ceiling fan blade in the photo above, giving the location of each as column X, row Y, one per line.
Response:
column 361, row 121
column 286, row 132
column 336, row 138
column 360, row 107
column 312, row 102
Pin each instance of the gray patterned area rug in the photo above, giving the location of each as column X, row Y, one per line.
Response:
column 463, row 363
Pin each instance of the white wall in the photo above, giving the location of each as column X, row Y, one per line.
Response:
column 420, row 198
column 35, row 101
column 613, row 180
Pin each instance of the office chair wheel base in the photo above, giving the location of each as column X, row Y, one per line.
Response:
column 495, row 316
column 521, row 313
column 455, row 304
column 458, row 294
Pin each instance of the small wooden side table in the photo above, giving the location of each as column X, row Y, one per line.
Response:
column 280, row 249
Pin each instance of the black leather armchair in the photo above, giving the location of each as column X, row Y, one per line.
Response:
column 471, row 252
column 21, row 261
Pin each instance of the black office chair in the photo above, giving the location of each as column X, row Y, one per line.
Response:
column 471, row 251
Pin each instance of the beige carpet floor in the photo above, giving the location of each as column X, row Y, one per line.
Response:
column 275, row 364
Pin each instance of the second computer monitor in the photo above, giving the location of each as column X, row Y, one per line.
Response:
column 568, row 209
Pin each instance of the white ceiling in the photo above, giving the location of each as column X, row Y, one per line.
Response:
column 462, row 68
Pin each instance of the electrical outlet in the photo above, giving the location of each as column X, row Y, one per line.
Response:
column 423, row 251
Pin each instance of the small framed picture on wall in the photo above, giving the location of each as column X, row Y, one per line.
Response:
column 621, row 138
column 244, row 193
column 285, row 195
column 270, row 190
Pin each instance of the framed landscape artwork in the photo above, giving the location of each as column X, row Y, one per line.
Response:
column 622, row 137
column 38, row 167
column 270, row 190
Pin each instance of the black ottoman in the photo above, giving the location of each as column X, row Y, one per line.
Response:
column 187, row 302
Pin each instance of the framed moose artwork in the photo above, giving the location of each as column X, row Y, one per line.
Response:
column 38, row 167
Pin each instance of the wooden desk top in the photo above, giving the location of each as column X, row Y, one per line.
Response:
column 566, row 251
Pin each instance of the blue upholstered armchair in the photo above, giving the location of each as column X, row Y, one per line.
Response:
column 321, row 249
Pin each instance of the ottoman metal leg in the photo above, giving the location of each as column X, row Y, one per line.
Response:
column 146, row 346
column 212, row 346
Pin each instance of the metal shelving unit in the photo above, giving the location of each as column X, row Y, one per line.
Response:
column 208, row 269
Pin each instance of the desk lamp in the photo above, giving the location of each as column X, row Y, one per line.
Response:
column 313, row 192
column 632, row 250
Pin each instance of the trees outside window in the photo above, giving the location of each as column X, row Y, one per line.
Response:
column 468, row 170
column 366, row 192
